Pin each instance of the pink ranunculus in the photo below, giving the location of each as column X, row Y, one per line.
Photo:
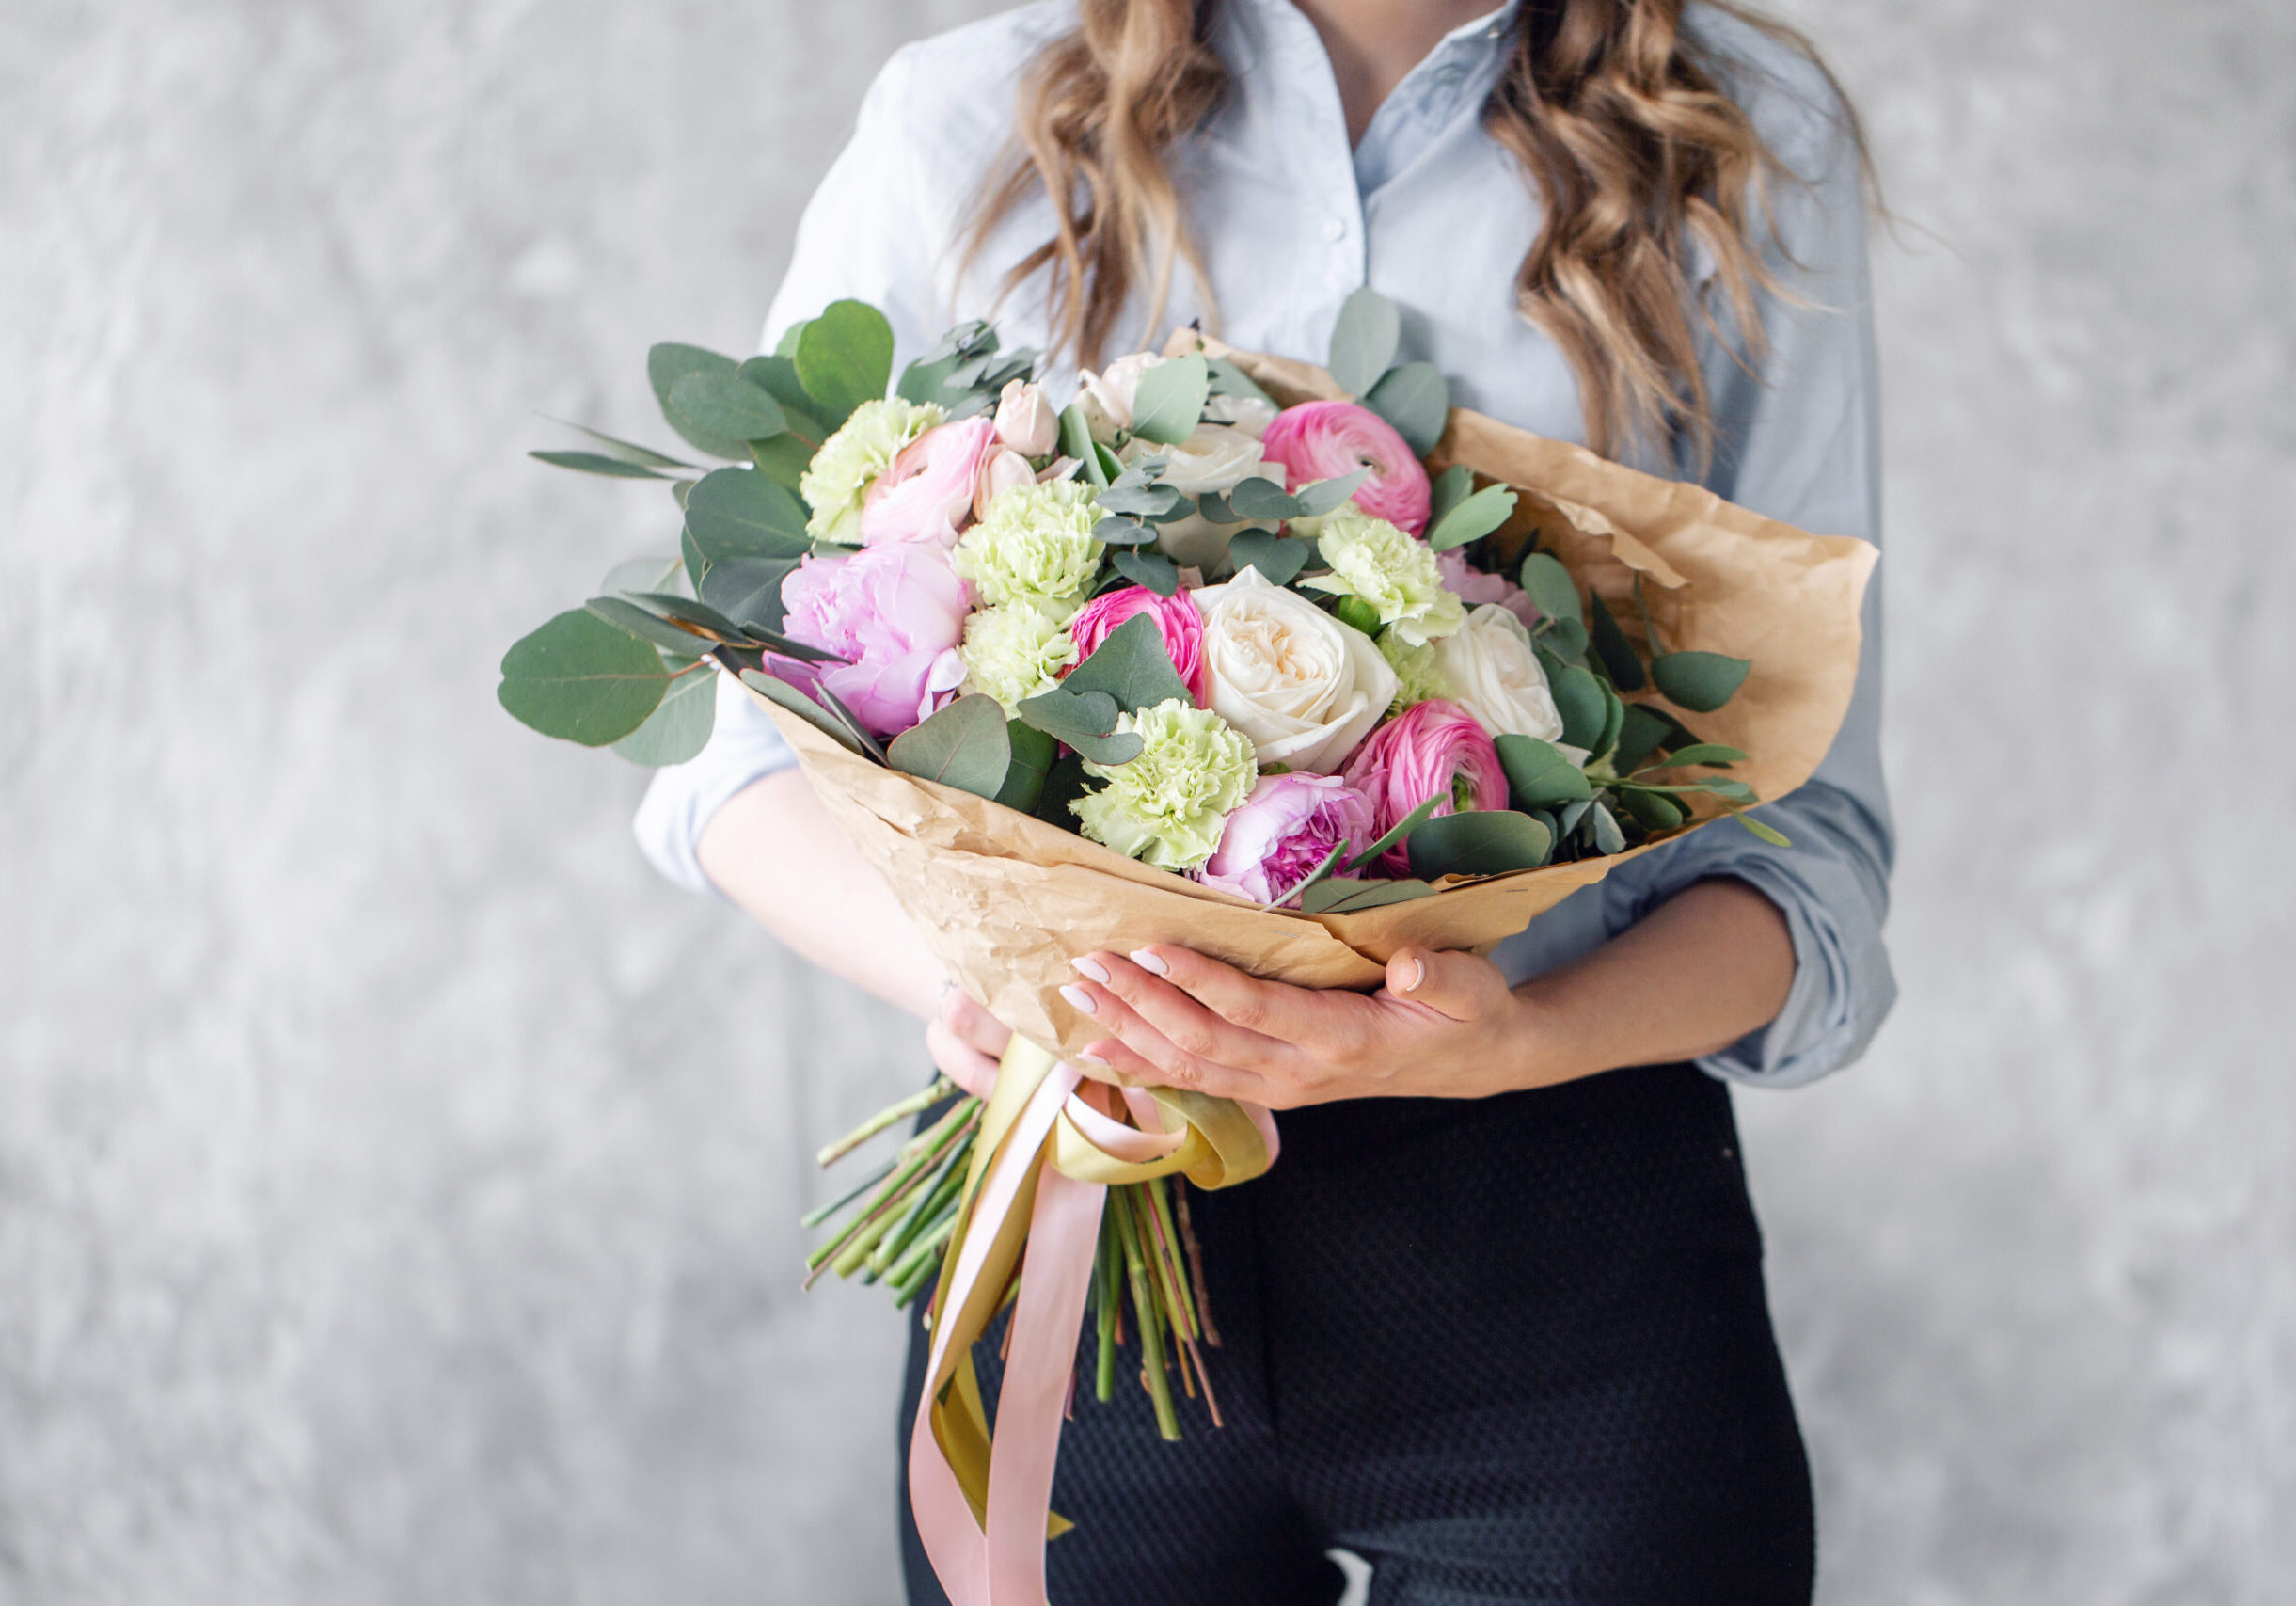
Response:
column 895, row 614
column 1281, row 833
column 1435, row 749
column 1177, row 621
column 1322, row 441
column 1474, row 587
column 928, row 490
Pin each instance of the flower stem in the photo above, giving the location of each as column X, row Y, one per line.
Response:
column 916, row 1104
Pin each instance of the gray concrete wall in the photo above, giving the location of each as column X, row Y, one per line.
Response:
column 397, row 1184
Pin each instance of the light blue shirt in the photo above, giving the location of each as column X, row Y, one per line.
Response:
column 1436, row 215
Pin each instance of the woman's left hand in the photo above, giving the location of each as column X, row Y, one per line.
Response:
column 1445, row 1026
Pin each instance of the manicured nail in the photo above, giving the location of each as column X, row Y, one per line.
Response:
column 1418, row 974
column 1150, row 963
column 1091, row 968
column 1080, row 998
column 1087, row 1058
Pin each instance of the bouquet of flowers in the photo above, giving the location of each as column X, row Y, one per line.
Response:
column 1294, row 666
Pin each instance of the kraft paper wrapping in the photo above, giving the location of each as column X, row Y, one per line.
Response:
column 1006, row 901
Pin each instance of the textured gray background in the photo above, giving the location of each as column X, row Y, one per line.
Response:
column 396, row 1182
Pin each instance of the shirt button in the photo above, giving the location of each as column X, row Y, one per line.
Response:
column 1334, row 230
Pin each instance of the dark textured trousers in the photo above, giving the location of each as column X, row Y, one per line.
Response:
column 1512, row 1349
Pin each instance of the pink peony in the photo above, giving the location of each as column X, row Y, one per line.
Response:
column 1435, row 749
column 929, row 486
column 1281, row 832
column 1474, row 587
column 895, row 614
column 1322, row 441
column 1177, row 621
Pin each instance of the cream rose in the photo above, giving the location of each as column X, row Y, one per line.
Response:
column 1303, row 686
column 1106, row 398
column 1250, row 414
column 1216, row 457
column 1493, row 674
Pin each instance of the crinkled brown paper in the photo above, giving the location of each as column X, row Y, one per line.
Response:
column 1006, row 901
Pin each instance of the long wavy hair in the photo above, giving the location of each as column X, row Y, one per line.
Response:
column 1617, row 117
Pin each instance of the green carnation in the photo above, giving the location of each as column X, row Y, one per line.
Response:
column 1418, row 677
column 1168, row 804
column 1015, row 652
column 850, row 460
column 1033, row 546
column 1395, row 575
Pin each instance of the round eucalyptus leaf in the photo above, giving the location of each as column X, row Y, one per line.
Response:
column 964, row 745
column 679, row 727
column 1698, row 681
column 582, row 680
column 1416, row 400
column 1363, row 340
column 1479, row 842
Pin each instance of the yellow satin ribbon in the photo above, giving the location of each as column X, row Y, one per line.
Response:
column 1220, row 1146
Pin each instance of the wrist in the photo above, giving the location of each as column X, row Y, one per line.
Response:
column 1548, row 1043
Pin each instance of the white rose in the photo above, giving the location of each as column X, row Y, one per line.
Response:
column 1025, row 421
column 1494, row 675
column 1303, row 686
column 1216, row 458
column 1106, row 398
column 1250, row 414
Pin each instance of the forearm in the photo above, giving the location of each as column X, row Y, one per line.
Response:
column 1710, row 965
column 776, row 852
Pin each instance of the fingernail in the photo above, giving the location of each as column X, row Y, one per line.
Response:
column 1080, row 998
column 1087, row 1058
column 1091, row 968
column 1150, row 963
column 1418, row 974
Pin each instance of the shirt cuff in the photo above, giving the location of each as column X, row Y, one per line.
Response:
column 744, row 748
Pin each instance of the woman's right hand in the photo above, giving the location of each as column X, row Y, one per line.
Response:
column 966, row 1042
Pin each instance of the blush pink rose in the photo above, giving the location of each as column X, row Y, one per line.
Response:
column 929, row 490
column 1002, row 470
column 895, row 614
column 1435, row 749
column 1281, row 833
column 1322, row 441
column 1177, row 621
column 1474, row 587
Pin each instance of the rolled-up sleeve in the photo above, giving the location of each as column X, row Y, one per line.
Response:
column 1799, row 440
column 864, row 236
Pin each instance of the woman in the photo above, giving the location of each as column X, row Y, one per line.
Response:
column 1495, row 1321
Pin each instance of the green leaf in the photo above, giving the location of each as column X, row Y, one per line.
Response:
column 1152, row 570
column 1451, row 487
column 1609, row 839
column 1578, row 697
column 1229, row 380
column 1132, row 666
column 1084, row 720
column 1615, row 650
column 724, row 404
column 667, row 363
column 1614, row 719
column 1698, row 681
column 1363, row 340
column 1344, row 895
column 1647, row 730
column 1122, row 531
column 1701, row 753
column 1473, row 518
column 1063, row 784
column 1033, row 753
column 749, row 590
column 963, row 745
column 1552, row 590
column 581, row 678
column 741, row 512
column 1538, row 775
column 1254, row 497
column 1320, row 495
column 777, row 376
column 1278, row 558
column 1139, row 499
column 597, row 463
column 679, row 727
column 1653, row 811
column 1480, row 842
column 1170, row 399
column 687, row 611
column 624, row 615
column 1075, row 435
column 1103, row 466
column 797, row 703
column 845, row 357
column 1416, row 400
column 781, row 458
column 628, row 451
column 1775, row 839
column 1399, row 832
column 643, row 574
